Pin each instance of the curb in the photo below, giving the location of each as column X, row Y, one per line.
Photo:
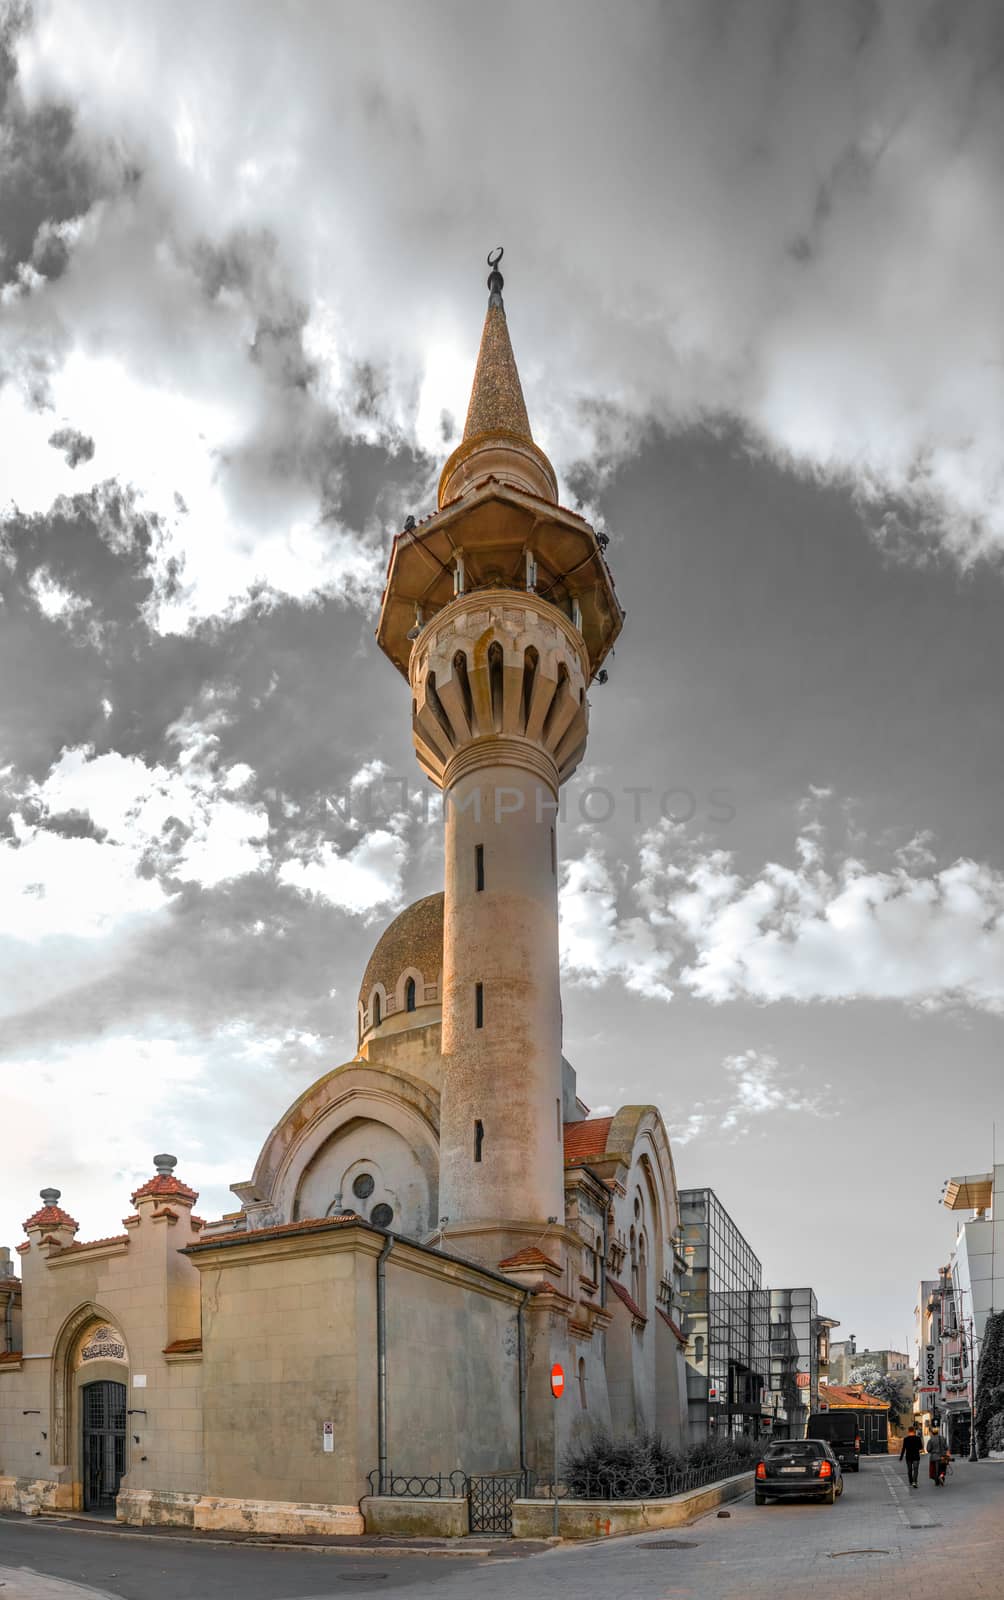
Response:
column 263, row 1542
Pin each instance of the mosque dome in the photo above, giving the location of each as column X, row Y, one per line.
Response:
column 404, row 972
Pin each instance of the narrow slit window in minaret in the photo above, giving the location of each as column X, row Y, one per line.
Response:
column 479, row 1139
column 479, row 866
column 376, row 1011
column 479, row 1005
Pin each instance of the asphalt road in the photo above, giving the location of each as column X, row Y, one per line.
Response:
column 881, row 1539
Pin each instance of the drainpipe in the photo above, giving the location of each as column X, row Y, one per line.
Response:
column 381, row 1308
column 521, row 1361
column 9, row 1322
column 606, row 1249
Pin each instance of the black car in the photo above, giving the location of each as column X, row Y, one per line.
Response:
column 791, row 1467
column 842, row 1431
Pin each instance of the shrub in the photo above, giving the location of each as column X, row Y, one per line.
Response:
column 989, row 1379
column 995, row 1431
column 615, row 1468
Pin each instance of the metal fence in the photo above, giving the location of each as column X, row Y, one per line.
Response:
column 491, row 1494
column 420, row 1486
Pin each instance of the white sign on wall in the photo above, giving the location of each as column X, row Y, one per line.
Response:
column 929, row 1371
column 328, row 1436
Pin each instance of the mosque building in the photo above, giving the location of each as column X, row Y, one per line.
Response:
column 436, row 1225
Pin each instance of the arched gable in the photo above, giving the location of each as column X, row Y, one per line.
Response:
column 331, row 1112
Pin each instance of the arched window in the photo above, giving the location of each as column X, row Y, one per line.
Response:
column 409, row 995
column 698, row 1348
column 582, row 1382
column 377, row 1013
column 642, row 1275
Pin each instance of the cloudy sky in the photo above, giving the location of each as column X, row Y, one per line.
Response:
column 752, row 277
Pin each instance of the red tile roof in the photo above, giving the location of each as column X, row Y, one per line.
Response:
column 93, row 1244
column 51, row 1217
column 851, row 1397
column 183, row 1347
column 529, row 1256
column 168, row 1186
column 622, row 1294
column 586, row 1140
column 312, row 1225
column 667, row 1319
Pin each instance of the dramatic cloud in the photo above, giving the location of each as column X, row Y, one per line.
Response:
column 756, row 1087
column 263, row 265
column 597, row 943
column 818, row 929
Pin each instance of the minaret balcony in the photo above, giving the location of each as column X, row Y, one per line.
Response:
column 499, row 537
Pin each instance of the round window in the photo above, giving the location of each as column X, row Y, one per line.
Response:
column 363, row 1186
column 382, row 1216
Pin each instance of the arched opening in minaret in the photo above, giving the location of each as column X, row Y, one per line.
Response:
column 559, row 694
column 377, row 1011
column 531, row 661
column 435, row 705
column 464, row 685
column 409, row 995
column 495, row 683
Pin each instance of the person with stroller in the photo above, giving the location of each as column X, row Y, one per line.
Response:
column 938, row 1457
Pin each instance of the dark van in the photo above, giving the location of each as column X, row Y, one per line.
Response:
column 840, row 1430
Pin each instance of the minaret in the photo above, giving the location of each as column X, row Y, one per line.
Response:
column 499, row 609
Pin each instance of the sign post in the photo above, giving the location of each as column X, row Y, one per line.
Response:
column 557, row 1390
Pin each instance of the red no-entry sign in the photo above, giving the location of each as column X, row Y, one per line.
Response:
column 557, row 1381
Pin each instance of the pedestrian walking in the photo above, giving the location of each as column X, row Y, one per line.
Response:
column 910, row 1452
column 938, row 1457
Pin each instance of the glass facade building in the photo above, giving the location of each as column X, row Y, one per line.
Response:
column 797, row 1335
column 728, row 1321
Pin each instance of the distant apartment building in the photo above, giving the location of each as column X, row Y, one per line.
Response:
column 846, row 1357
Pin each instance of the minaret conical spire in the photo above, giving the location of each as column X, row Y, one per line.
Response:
column 496, row 394
column 497, row 440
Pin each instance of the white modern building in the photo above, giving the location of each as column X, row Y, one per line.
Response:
column 952, row 1309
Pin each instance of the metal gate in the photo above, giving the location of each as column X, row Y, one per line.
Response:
column 490, row 1500
column 104, row 1422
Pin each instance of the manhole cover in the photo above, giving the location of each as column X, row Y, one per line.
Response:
column 835, row 1554
column 672, row 1544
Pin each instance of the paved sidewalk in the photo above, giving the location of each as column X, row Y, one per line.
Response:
column 18, row 1583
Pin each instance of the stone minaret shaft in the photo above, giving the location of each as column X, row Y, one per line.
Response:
column 499, row 657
